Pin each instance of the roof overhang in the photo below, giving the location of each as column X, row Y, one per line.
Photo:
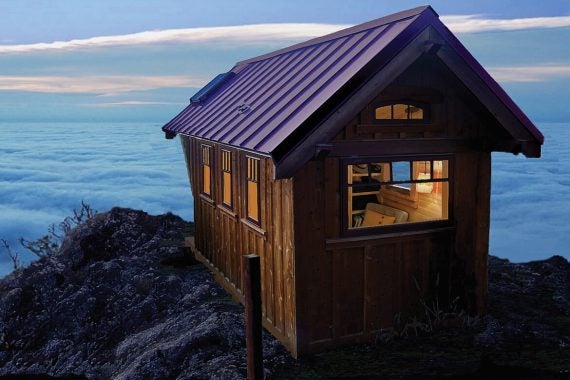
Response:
column 390, row 64
column 294, row 124
column 430, row 37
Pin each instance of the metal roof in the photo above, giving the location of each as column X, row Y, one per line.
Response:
column 270, row 96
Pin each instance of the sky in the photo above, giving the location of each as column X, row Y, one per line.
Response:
column 141, row 60
column 70, row 71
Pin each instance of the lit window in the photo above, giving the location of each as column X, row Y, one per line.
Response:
column 227, row 178
column 400, row 111
column 206, row 170
column 253, row 189
column 397, row 192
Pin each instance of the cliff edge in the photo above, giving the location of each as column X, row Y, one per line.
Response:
column 120, row 300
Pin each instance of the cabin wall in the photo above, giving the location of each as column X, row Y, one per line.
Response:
column 455, row 113
column 349, row 287
column 472, row 203
column 222, row 236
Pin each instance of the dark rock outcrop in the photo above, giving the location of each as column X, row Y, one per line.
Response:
column 108, row 305
column 529, row 305
column 121, row 301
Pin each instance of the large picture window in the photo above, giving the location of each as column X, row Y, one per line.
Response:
column 253, row 204
column 381, row 193
column 207, row 170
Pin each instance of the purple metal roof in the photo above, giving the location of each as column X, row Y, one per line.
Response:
column 270, row 96
column 283, row 88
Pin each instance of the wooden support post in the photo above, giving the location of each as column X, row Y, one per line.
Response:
column 252, row 293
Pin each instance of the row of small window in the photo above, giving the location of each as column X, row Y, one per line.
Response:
column 252, row 188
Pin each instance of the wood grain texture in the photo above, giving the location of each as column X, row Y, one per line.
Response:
column 224, row 235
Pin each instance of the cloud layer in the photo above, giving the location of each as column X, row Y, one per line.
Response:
column 260, row 33
column 48, row 168
column 529, row 200
column 243, row 33
column 477, row 23
column 95, row 84
column 132, row 103
column 538, row 73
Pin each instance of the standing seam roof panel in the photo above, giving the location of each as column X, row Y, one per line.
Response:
column 323, row 84
column 184, row 122
column 313, row 83
column 259, row 93
column 269, row 109
column 266, row 119
column 326, row 90
column 243, row 86
column 174, row 124
column 216, row 105
column 213, row 107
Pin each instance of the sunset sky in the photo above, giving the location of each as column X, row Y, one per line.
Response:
column 141, row 60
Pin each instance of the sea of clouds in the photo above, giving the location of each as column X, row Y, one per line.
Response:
column 530, row 200
column 47, row 169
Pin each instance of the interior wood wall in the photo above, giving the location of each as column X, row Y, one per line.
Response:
column 222, row 237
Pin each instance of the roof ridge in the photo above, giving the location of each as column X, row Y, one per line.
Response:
column 399, row 16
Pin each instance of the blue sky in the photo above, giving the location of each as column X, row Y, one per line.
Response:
column 141, row 60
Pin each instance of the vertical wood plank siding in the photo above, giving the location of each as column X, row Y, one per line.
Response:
column 321, row 288
column 469, row 264
column 223, row 236
column 348, row 291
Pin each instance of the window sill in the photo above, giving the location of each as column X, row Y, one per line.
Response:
column 206, row 198
column 253, row 227
column 227, row 211
column 358, row 241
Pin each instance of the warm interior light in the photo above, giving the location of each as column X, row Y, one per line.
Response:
column 437, row 168
column 424, row 187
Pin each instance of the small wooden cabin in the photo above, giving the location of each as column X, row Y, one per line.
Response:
column 358, row 166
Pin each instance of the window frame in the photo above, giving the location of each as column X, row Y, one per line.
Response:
column 231, row 172
column 400, row 227
column 424, row 106
column 209, row 164
column 252, row 179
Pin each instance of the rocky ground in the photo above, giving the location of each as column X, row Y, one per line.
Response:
column 121, row 301
column 525, row 336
